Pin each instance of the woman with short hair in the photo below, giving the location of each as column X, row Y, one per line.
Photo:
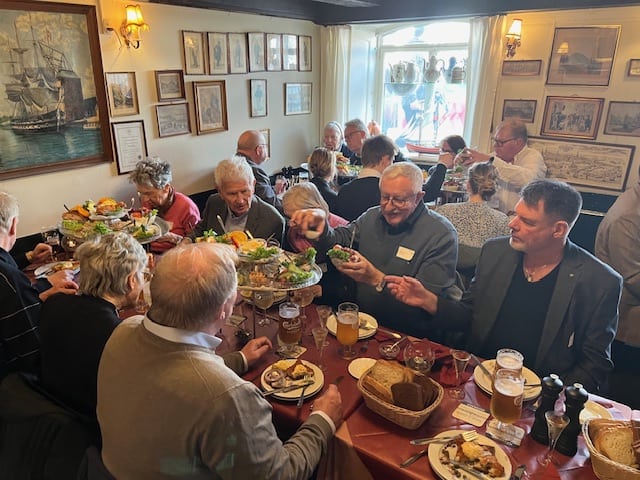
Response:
column 333, row 139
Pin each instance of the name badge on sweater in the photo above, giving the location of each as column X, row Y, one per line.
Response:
column 405, row 253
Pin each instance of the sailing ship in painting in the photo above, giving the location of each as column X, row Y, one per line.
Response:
column 45, row 91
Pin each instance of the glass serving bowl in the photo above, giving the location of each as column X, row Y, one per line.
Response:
column 389, row 350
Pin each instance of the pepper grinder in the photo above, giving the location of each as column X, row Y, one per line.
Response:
column 551, row 388
column 575, row 398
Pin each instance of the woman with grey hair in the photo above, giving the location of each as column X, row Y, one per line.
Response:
column 333, row 139
column 153, row 183
column 75, row 328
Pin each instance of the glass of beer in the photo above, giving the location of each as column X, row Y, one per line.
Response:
column 509, row 359
column 348, row 326
column 506, row 399
column 289, row 328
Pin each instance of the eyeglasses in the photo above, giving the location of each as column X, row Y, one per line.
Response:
column 500, row 143
column 396, row 202
column 348, row 135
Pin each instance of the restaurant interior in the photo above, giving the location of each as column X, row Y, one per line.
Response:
column 348, row 73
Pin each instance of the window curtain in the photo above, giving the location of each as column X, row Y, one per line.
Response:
column 334, row 85
column 483, row 76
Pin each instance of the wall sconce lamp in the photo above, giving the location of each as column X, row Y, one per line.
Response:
column 513, row 37
column 132, row 25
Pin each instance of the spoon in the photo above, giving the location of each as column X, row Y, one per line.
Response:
column 224, row 230
column 402, row 339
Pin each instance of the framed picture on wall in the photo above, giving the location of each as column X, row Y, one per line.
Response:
column 274, row 52
column 525, row 110
column 634, row 68
column 218, row 53
column 297, row 98
column 258, row 97
column 582, row 55
column 289, row 52
column 173, row 119
column 256, row 52
column 123, row 95
column 237, row 53
column 521, row 68
column 267, row 136
column 623, row 118
column 571, row 117
column 170, row 85
column 130, row 143
column 304, row 53
column 193, row 50
column 211, row 106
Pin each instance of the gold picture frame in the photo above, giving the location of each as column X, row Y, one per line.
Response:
column 211, row 106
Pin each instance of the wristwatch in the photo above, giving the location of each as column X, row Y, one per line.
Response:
column 380, row 285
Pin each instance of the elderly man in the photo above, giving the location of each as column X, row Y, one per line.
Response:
column 152, row 178
column 617, row 246
column 253, row 147
column 517, row 164
column 355, row 133
column 237, row 206
column 535, row 291
column 401, row 237
column 20, row 301
column 186, row 413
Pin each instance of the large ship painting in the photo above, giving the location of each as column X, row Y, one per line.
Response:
column 45, row 91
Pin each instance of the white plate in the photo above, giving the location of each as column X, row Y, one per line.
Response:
column 360, row 365
column 445, row 473
column 44, row 269
column 593, row 410
column 315, row 387
column 157, row 233
column 484, row 382
column 332, row 325
column 112, row 216
column 278, row 296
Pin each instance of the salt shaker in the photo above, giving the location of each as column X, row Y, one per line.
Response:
column 575, row 398
column 551, row 388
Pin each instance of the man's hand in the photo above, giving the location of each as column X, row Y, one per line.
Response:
column 447, row 159
column 41, row 253
column 255, row 349
column 468, row 157
column 410, row 291
column 62, row 282
column 331, row 404
column 360, row 269
column 309, row 219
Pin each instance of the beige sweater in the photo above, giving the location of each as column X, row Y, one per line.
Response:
column 173, row 410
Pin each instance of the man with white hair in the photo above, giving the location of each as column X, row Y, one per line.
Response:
column 20, row 300
column 170, row 407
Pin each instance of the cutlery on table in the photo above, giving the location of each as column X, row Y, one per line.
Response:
column 301, row 398
column 470, row 470
column 414, row 458
column 519, row 473
column 338, row 379
column 286, row 389
column 482, row 367
column 389, row 333
column 467, row 436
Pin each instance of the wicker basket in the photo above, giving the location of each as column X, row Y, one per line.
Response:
column 603, row 467
column 409, row 419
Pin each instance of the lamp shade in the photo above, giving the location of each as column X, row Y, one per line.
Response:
column 515, row 31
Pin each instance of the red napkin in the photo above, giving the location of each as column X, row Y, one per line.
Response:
column 447, row 375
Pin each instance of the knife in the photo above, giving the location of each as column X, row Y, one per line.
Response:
column 470, row 470
column 427, row 441
column 286, row 389
column 389, row 333
column 414, row 458
column 482, row 367
column 519, row 473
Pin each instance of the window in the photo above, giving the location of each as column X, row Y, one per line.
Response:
column 423, row 86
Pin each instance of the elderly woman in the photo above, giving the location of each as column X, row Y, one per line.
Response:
column 333, row 139
column 475, row 221
column 75, row 328
column 153, row 182
column 322, row 165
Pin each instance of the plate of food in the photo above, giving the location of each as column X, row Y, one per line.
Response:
column 146, row 233
column 481, row 455
column 594, row 410
column 257, row 250
column 106, row 208
column 54, row 267
column 368, row 325
column 485, row 382
column 289, row 373
column 278, row 296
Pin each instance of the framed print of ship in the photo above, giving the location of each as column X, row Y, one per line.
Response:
column 53, row 104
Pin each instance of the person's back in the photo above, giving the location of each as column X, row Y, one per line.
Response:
column 357, row 196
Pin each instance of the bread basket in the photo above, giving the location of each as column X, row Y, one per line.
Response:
column 603, row 467
column 408, row 419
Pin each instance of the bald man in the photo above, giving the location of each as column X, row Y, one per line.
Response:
column 253, row 146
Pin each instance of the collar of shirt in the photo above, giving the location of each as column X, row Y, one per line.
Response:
column 407, row 224
column 178, row 335
column 233, row 222
column 369, row 172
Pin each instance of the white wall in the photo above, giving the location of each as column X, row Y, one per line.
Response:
column 537, row 38
column 193, row 157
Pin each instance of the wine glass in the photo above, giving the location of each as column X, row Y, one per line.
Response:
column 320, row 337
column 506, row 400
column 304, row 298
column 348, row 326
column 556, row 423
column 324, row 312
column 51, row 237
column 418, row 356
column 263, row 299
column 460, row 361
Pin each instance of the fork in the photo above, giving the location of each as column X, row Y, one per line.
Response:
column 301, row 398
column 467, row 436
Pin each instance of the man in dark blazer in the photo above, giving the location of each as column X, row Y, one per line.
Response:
column 537, row 292
column 237, row 206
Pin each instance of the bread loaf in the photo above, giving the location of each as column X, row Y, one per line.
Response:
column 408, row 395
column 382, row 375
column 615, row 442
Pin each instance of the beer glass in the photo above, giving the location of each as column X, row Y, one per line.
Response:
column 289, row 328
column 509, row 359
column 506, row 399
column 348, row 326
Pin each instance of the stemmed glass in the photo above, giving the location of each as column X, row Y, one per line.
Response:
column 51, row 237
column 348, row 326
column 506, row 400
column 304, row 298
column 324, row 312
column 556, row 423
column 320, row 337
column 460, row 361
column 263, row 299
column 419, row 357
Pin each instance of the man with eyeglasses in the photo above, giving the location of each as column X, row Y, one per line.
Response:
column 517, row 164
column 400, row 237
column 355, row 134
column 253, row 146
